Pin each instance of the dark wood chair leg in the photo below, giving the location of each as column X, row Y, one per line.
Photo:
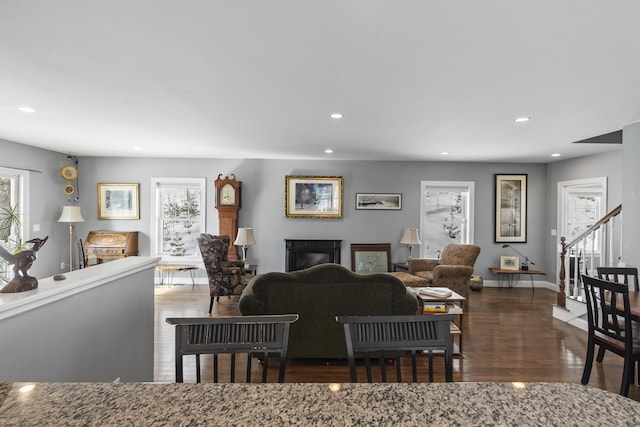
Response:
column 588, row 363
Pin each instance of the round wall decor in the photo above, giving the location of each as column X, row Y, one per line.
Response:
column 69, row 172
column 69, row 189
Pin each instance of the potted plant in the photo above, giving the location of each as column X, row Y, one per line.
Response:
column 10, row 236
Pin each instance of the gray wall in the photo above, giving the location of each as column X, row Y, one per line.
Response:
column 263, row 201
column 87, row 332
column 607, row 164
column 45, row 202
column 631, row 195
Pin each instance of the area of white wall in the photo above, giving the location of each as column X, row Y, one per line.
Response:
column 631, row 195
column 263, row 185
column 45, row 203
column 608, row 164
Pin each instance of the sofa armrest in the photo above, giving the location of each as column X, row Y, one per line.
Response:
column 422, row 264
column 231, row 271
column 235, row 263
column 250, row 303
column 443, row 272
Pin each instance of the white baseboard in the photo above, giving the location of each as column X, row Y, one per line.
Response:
column 523, row 283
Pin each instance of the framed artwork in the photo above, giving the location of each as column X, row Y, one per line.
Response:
column 118, row 201
column 378, row 201
column 371, row 257
column 178, row 206
column 313, row 196
column 509, row 263
column 511, row 208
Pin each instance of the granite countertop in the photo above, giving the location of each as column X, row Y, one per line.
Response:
column 465, row 404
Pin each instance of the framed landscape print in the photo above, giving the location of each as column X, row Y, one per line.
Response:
column 118, row 201
column 371, row 257
column 378, row 201
column 509, row 263
column 511, row 208
column 178, row 206
column 313, row 196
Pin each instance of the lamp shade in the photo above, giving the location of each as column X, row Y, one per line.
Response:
column 245, row 237
column 71, row 214
column 410, row 237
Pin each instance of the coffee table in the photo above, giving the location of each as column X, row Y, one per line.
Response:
column 454, row 305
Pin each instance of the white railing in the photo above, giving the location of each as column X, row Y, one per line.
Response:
column 586, row 252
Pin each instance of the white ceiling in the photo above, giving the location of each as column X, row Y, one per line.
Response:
column 259, row 78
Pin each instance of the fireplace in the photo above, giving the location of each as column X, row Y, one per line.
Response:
column 303, row 254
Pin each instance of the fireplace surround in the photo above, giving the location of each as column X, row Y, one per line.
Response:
column 305, row 253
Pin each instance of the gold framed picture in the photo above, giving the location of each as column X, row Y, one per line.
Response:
column 313, row 196
column 118, row 201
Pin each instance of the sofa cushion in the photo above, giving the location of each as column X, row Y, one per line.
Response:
column 410, row 280
column 427, row 275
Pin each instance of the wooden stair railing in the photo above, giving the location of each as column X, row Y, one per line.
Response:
column 565, row 247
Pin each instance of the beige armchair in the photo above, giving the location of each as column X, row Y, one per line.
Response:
column 453, row 270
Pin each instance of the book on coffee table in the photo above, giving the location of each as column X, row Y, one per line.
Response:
column 435, row 292
column 434, row 308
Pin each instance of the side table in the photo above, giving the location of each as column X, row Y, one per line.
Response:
column 168, row 270
column 400, row 266
column 454, row 303
column 512, row 276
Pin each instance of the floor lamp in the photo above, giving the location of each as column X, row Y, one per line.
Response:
column 71, row 214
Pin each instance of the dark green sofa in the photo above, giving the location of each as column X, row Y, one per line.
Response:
column 320, row 293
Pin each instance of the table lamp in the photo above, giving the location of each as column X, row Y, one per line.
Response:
column 245, row 238
column 410, row 238
column 71, row 214
column 526, row 262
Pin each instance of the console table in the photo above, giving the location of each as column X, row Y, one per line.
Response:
column 469, row 404
column 512, row 276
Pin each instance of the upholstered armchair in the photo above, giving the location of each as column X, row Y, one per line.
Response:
column 452, row 270
column 225, row 276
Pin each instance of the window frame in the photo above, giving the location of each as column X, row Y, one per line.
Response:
column 466, row 186
column 158, row 216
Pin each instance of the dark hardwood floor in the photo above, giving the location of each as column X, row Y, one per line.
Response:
column 509, row 335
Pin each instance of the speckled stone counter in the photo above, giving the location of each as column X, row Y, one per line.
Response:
column 464, row 404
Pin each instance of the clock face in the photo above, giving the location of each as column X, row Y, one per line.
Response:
column 227, row 195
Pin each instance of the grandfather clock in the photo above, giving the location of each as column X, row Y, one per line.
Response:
column 228, row 203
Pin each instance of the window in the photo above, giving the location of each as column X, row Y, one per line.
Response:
column 178, row 205
column 446, row 215
column 582, row 203
column 14, row 228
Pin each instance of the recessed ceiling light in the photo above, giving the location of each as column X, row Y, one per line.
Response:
column 328, row 151
column 26, row 109
column 555, row 155
column 136, row 148
column 522, row 119
column 444, row 153
column 336, row 116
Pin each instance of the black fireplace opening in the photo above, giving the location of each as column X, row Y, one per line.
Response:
column 302, row 254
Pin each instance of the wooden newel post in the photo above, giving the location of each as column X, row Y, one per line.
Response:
column 562, row 302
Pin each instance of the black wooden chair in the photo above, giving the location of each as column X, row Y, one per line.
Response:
column 610, row 327
column 250, row 335
column 623, row 275
column 390, row 337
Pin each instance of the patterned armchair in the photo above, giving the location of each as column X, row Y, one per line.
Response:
column 452, row 270
column 225, row 276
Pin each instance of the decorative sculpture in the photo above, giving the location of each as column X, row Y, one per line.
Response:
column 22, row 262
